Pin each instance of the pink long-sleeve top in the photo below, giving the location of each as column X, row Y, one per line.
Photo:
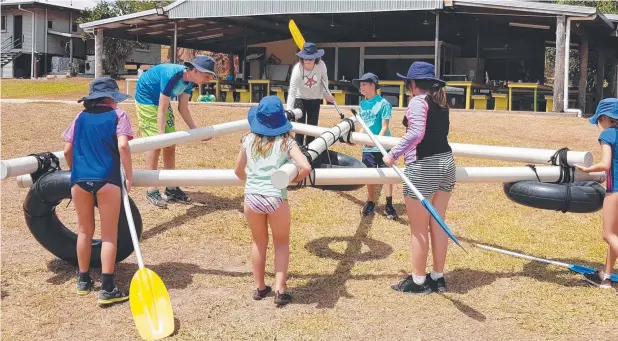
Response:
column 416, row 113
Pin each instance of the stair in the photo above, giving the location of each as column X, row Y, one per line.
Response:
column 8, row 57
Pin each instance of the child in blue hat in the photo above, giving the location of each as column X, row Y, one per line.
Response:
column 96, row 143
column 606, row 117
column 269, row 145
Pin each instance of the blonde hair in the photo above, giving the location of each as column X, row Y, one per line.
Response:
column 262, row 146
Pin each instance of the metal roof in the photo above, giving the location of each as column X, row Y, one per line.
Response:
column 612, row 17
column 540, row 7
column 189, row 9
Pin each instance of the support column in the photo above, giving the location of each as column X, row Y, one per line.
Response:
column 583, row 73
column 559, row 81
column 613, row 75
column 98, row 53
column 361, row 64
column 70, row 39
column 437, row 46
column 600, row 75
column 175, row 43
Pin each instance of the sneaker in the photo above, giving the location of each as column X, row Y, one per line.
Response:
column 369, row 208
column 408, row 286
column 260, row 294
column 155, row 198
column 390, row 213
column 282, row 299
column 177, row 195
column 595, row 279
column 114, row 296
column 84, row 287
column 438, row 285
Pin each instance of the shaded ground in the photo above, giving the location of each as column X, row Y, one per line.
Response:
column 341, row 265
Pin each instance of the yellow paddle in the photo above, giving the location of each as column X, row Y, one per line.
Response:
column 150, row 303
column 298, row 37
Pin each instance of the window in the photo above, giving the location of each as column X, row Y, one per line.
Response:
column 50, row 24
column 3, row 28
column 74, row 28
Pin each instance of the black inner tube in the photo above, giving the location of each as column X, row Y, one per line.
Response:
column 43, row 222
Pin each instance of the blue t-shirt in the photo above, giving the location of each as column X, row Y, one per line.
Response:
column 373, row 111
column 609, row 136
column 161, row 79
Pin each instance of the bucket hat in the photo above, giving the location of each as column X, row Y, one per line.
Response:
column 607, row 107
column 422, row 70
column 268, row 118
column 104, row 87
column 310, row 51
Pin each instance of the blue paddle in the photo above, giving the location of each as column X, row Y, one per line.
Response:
column 428, row 206
column 580, row 269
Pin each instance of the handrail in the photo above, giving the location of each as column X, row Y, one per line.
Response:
column 7, row 44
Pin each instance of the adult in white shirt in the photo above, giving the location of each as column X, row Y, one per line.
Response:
column 306, row 87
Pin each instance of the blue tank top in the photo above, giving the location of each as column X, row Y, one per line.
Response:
column 95, row 147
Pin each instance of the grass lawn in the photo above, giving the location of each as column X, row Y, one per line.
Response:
column 341, row 266
column 66, row 89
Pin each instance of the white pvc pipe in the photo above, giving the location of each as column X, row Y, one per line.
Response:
column 529, row 155
column 29, row 164
column 342, row 176
column 283, row 176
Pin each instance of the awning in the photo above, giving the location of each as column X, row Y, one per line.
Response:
column 62, row 34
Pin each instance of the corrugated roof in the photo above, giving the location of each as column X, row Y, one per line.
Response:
column 220, row 8
column 530, row 6
column 612, row 17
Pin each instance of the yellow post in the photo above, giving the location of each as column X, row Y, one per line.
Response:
column 510, row 99
column 468, row 96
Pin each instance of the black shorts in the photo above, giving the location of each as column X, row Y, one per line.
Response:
column 374, row 160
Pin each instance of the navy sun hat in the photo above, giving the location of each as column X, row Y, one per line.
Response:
column 268, row 117
column 203, row 64
column 368, row 78
column 422, row 70
column 104, row 87
column 607, row 107
column 310, row 51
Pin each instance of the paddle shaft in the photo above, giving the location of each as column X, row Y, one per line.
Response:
column 520, row 255
column 127, row 210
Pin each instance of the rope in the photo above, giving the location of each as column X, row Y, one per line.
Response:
column 533, row 167
column 47, row 163
column 567, row 175
column 311, row 176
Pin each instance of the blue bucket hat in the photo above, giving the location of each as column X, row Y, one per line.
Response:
column 268, row 117
column 104, row 87
column 607, row 107
column 368, row 78
column 310, row 51
column 203, row 64
column 422, row 70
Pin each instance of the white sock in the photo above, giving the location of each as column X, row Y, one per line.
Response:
column 436, row 275
column 603, row 275
column 419, row 280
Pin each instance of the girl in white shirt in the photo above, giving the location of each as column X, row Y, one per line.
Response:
column 306, row 87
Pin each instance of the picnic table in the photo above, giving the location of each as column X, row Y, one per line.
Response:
column 469, row 86
column 526, row 86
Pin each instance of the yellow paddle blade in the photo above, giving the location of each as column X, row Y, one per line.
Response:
column 150, row 305
column 298, row 37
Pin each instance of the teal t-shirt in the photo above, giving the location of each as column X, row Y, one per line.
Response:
column 373, row 111
column 260, row 169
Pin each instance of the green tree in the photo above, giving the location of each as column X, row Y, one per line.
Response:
column 604, row 6
column 116, row 51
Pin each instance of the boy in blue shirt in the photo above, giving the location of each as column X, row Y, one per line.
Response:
column 376, row 113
